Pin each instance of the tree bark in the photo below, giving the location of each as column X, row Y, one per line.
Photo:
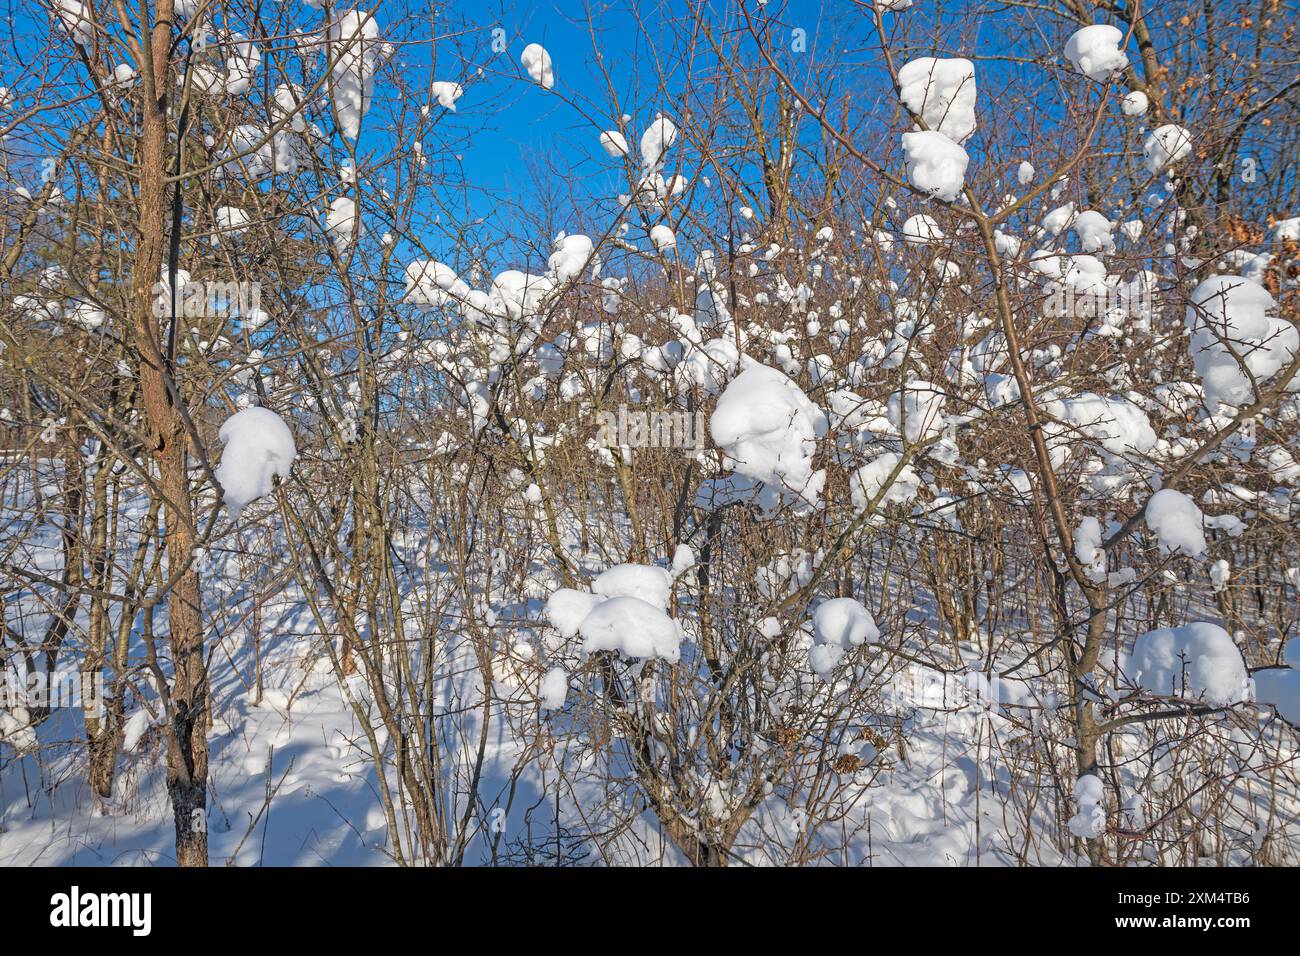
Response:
column 187, row 751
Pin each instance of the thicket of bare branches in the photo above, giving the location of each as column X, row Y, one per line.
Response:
column 448, row 477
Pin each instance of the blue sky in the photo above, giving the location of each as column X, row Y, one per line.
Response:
column 526, row 121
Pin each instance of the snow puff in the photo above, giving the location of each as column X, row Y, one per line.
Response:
column 614, row 143
column 566, row 608
column 1166, row 145
column 839, row 625
column 1232, row 310
column 1088, row 550
column 1059, row 218
column 446, row 93
column 342, row 222
column 918, row 410
column 1176, row 522
column 571, row 256
column 768, row 430
column 431, row 284
column 870, row 478
column 258, row 448
column 1135, row 104
column 75, row 20
column 555, row 688
column 1090, row 821
column 663, row 238
column 537, row 62
column 1197, row 661
column 627, row 612
column 1286, row 229
column 942, row 93
column 634, row 628
column 231, row 219
column 651, row 584
column 1117, row 425
column 935, row 164
column 351, row 83
column 1095, row 51
column 1094, row 231
column 658, row 138
column 921, row 229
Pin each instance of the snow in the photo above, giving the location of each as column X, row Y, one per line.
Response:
column 76, row 20
column 353, row 39
column 942, row 92
column 16, row 729
column 480, row 387
column 432, row 284
column 554, row 689
column 921, row 229
column 1089, row 795
column 632, row 627
column 231, row 219
column 651, row 584
column 1197, row 661
column 917, row 410
column 86, row 314
column 1087, row 548
column 1096, row 51
column 1234, row 322
column 1167, row 144
column 537, row 63
column 870, row 479
column 1094, row 231
column 446, row 93
column 935, row 164
column 839, row 625
column 663, row 238
column 342, row 222
column 241, row 64
column 134, row 730
column 573, row 253
column 281, row 154
column 768, row 430
column 1117, row 425
column 566, row 609
column 614, row 143
column 287, row 102
column 1286, row 229
column 1007, row 246
column 1176, row 521
column 1059, row 219
column 657, row 139
column 258, row 448
column 1135, row 104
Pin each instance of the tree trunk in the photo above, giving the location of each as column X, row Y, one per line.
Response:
column 187, row 751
